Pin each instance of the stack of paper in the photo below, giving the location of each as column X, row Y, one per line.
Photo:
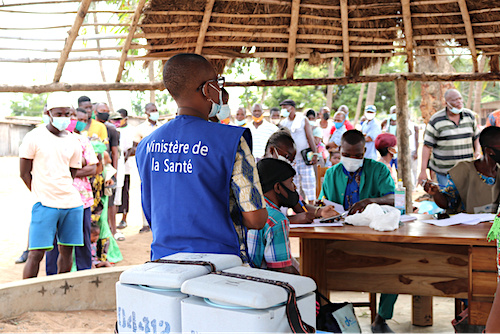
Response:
column 462, row 218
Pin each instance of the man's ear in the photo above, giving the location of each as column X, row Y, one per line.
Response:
column 277, row 188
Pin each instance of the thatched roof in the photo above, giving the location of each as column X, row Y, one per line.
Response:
column 282, row 32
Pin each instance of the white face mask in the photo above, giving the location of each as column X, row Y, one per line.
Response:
column 369, row 115
column 240, row 123
column 350, row 164
column 313, row 123
column 275, row 121
column 454, row 110
column 224, row 112
column 154, row 116
column 216, row 107
column 284, row 113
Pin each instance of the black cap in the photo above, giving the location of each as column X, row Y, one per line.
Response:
column 288, row 102
column 272, row 171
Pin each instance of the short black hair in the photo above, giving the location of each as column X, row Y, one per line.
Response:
column 353, row 137
column 81, row 110
column 310, row 112
column 280, row 137
column 273, row 109
column 489, row 137
column 123, row 112
column 82, row 99
column 383, row 151
column 180, row 72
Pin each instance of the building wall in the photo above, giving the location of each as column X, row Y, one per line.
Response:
column 11, row 136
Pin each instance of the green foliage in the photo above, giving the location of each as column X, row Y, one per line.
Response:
column 30, row 105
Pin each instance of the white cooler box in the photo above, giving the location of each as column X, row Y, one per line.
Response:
column 148, row 296
column 226, row 304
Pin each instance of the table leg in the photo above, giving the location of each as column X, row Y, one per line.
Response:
column 313, row 262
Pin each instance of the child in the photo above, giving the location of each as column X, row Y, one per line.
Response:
column 99, row 248
column 334, row 158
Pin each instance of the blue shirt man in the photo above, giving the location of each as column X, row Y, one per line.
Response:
column 195, row 174
column 371, row 129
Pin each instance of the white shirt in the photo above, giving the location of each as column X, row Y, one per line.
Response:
column 52, row 157
column 260, row 136
column 127, row 141
column 298, row 132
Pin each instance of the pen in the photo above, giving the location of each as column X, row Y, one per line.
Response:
column 303, row 206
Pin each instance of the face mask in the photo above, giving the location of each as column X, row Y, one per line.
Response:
column 313, row 123
column 224, row 112
column 276, row 155
column 240, row 123
column 326, row 116
column 454, row 110
column 275, row 121
column 71, row 125
column 338, row 125
column 80, row 126
column 284, row 113
column 258, row 119
column 350, row 164
column 370, row 115
column 45, row 119
column 292, row 200
column 216, row 107
column 393, row 117
column 60, row 123
column 103, row 116
column 154, row 116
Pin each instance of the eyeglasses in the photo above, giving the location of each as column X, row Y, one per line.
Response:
column 220, row 80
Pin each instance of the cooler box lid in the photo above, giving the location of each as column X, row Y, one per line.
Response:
column 225, row 290
column 166, row 275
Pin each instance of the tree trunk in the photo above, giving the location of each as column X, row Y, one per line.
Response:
column 432, row 92
column 359, row 106
column 329, row 89
column 372, row 86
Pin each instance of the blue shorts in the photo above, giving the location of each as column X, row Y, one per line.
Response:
column 47, row 222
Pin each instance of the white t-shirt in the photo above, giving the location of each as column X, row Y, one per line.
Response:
column 52, row 157
column 127, row 141
column 298, row 132
column 260, row 136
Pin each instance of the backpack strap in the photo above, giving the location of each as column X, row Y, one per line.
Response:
column 187, row 262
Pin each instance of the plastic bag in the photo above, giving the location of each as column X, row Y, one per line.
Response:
column 377, row 217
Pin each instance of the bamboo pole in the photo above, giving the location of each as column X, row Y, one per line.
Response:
column 408, row 33
column 344, row 16
column 292, row 38
column 73, row 33
column 132, row 86
column 403, row 137
column 204, row 26
column 101, row 68
column 469, row 32
column 126, row 45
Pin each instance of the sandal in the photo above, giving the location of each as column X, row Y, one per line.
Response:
column 119, row 236
column 122, row 225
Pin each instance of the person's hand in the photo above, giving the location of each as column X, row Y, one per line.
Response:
column 431, row 188
column 109, row 183
column 314, row 159
column 422, row 177
column 328, row 211
column 360, row 206
column 414, row 155
column 104, row 264
column 477, row 155
column 302, row 218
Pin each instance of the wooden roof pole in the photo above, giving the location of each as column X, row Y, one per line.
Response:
column 344, row 15
column 73, row 33
column 469, row 32
column 130, row 36
column 408, row 33
column 292, row 40
column 204, row 26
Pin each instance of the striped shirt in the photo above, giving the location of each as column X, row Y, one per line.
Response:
column 270, row 246
column 451, row 143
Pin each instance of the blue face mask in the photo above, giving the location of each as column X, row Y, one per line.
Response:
column 216, row 107
column 338, row 125
column 60, row 123
column 240, row 123
column 284, row 113
column 454, row 110
column 224, row 112
column 45, row 119
column 154, row 116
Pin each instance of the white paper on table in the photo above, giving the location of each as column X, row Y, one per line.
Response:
column 462, row 218
column 407, row 218
column 338, row 207
column 316, row 224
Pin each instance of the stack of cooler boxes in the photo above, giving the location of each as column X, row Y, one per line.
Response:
column 179, row 298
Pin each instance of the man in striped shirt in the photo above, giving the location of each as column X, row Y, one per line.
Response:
column 451, row 136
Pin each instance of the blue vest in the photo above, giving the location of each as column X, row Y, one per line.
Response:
column 185, row 168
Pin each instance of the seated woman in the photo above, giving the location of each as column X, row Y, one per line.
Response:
column 472, row 185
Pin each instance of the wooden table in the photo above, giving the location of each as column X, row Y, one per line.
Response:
column 416, row 259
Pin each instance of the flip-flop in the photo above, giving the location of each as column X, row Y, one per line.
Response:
column 122, row 225
column 119, row 236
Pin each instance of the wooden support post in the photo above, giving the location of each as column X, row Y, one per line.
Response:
column 204, row 26
column 130, row 36
column 469, row 32
column 408, row 29
column 344, row 15
column 329, row 88
column 152, row 92
column 73, row 33
column 403, row 136
column 292, row 40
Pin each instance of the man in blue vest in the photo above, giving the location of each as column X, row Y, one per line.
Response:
column 200, row 185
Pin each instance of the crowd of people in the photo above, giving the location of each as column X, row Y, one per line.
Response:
column 211, row 188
